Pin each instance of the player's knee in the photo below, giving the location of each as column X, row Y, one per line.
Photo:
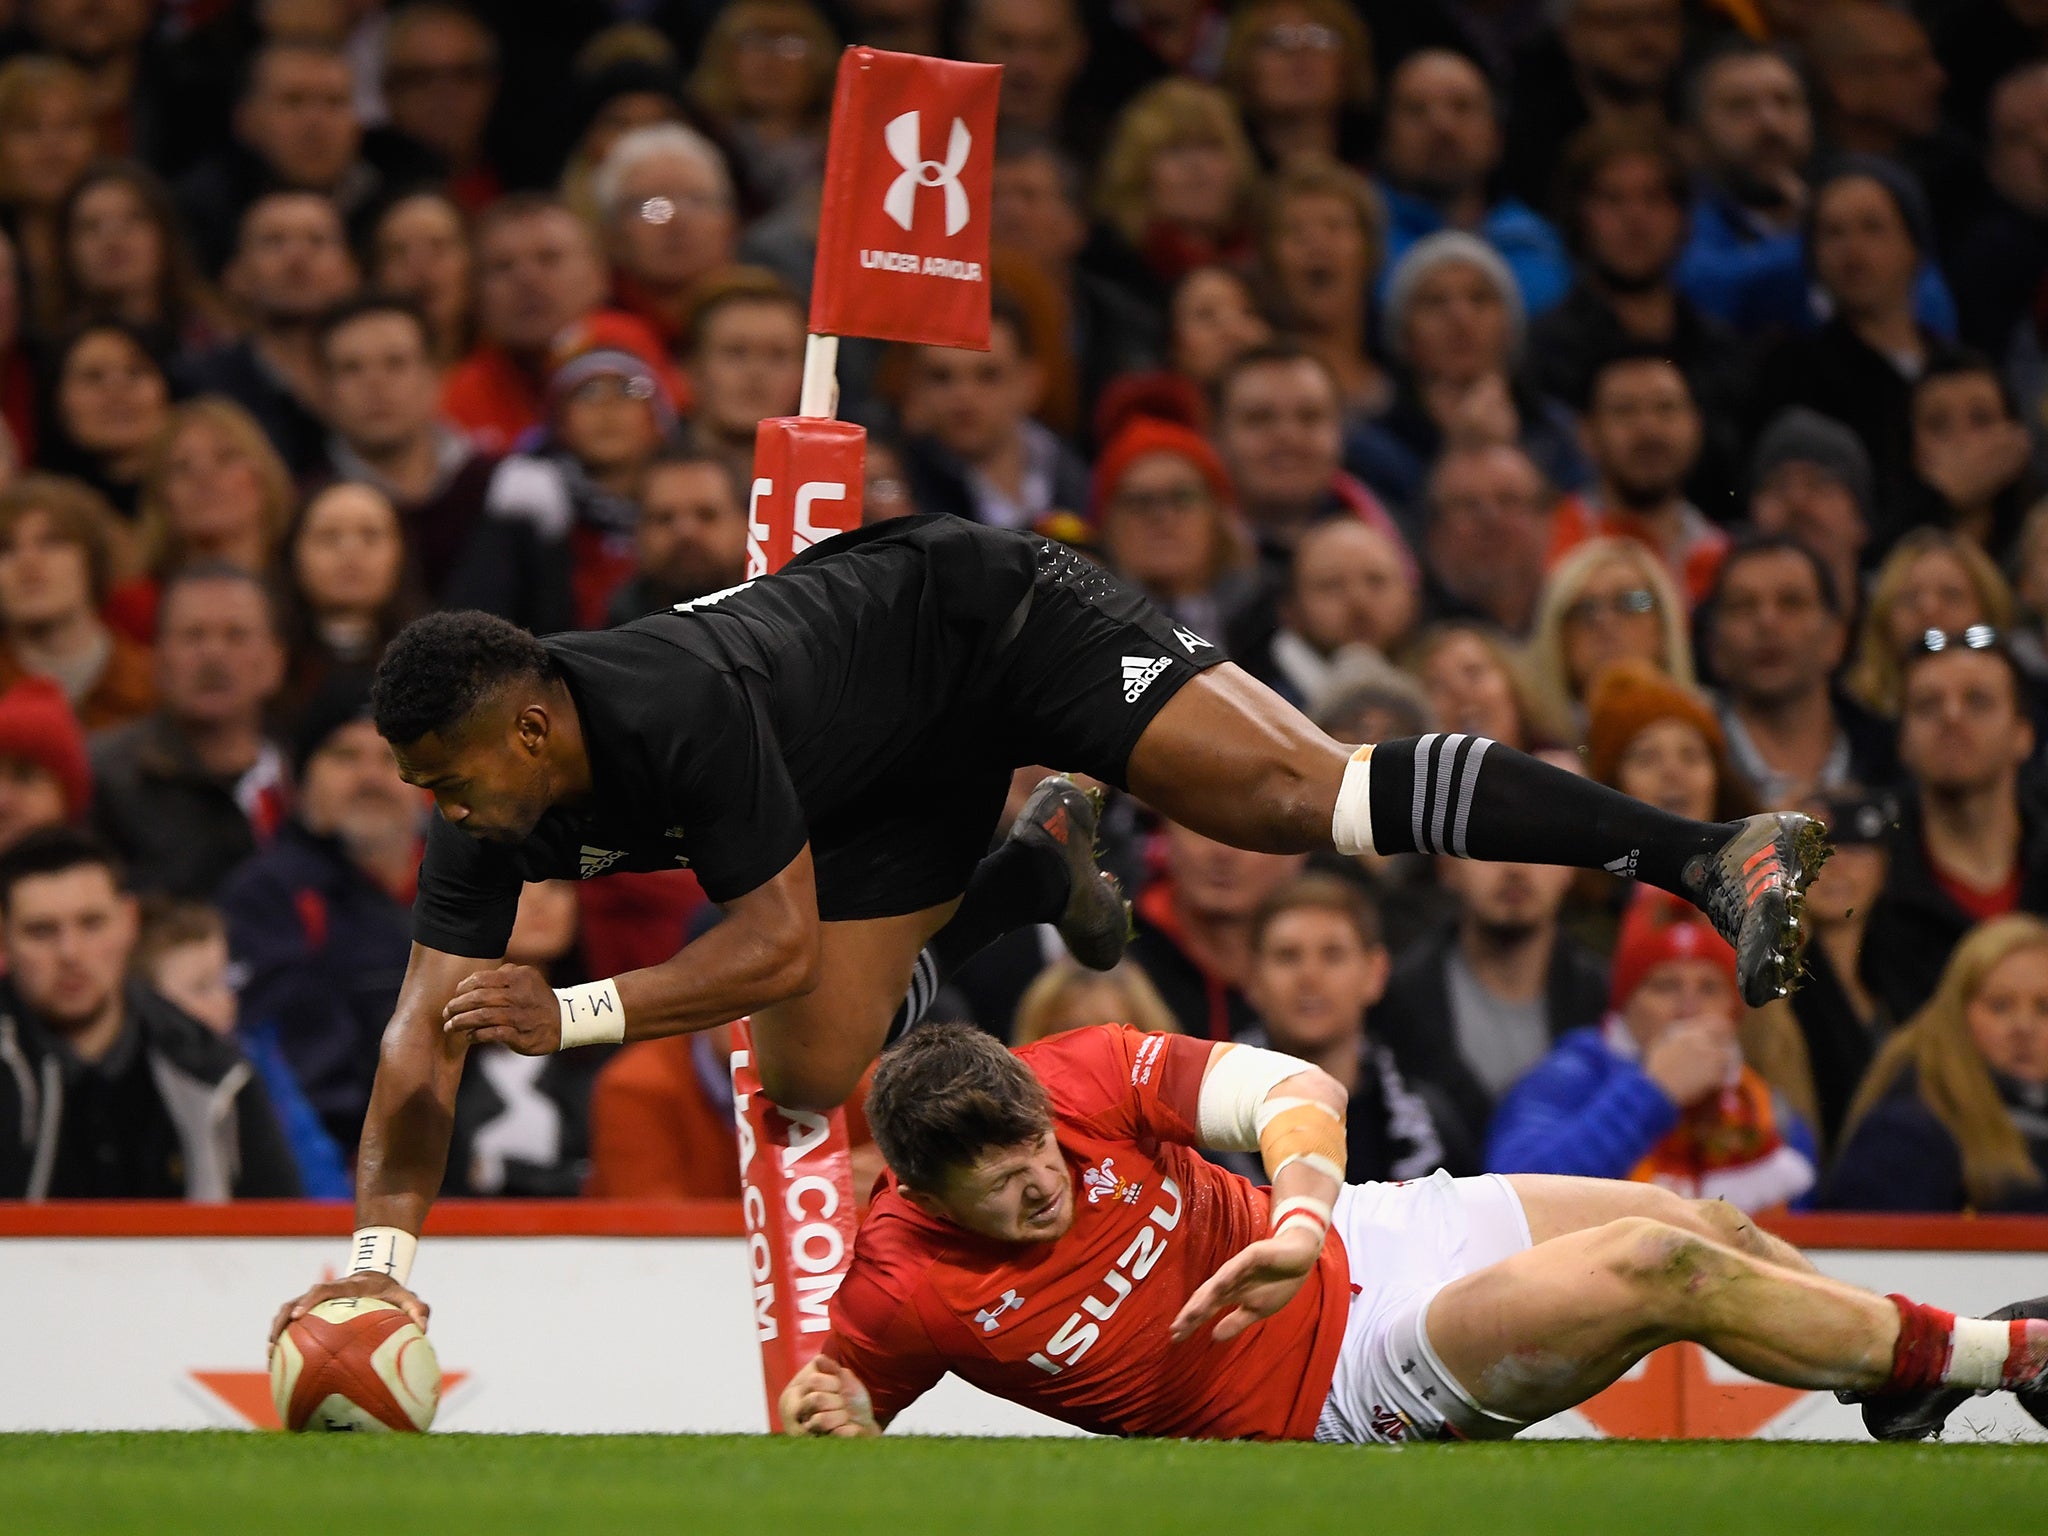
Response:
column 1725, row 1223
column 805, row 1085
column 1660, row 1261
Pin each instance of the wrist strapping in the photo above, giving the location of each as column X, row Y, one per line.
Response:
column 1302, row 1211
column 382, row 1251
column 591, row 1014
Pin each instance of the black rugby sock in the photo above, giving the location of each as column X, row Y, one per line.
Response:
column 1018, row 884
column 1476, row 799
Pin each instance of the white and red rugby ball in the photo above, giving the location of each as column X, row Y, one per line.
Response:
column 355, row 1364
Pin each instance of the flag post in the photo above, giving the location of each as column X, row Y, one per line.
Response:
column 903, row 242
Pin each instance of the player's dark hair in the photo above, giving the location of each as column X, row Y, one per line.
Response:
column 53, row 851
column 1320, row 893
column 944, row 1095
column 439, row 668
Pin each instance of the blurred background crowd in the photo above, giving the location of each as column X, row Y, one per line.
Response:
column 1659, row 385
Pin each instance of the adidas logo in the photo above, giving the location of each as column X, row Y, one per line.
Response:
column 1139, row 673
column 1190, row 641
column 595, row 861
column 1625, row 866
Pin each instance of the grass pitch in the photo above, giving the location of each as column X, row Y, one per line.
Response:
column 455, row 1485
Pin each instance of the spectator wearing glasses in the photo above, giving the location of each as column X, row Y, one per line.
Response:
column 1164, row 513
column 1487, row 534
column 440, row 77
column 665, row 201
column 1932, row 579
column 1302, row 72
column 1970, row 845
column 764, row 82
column 1609, row 600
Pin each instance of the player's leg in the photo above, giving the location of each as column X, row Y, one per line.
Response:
column 1555, row 1205
column 812, row 1050
column 1228, row 757
column 1043, row 872
column 1548, row 1327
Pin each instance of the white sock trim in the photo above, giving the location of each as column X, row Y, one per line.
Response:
column 1977, row 1352
column 1351, row 825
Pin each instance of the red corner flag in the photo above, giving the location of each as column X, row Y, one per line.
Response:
column 903, row 227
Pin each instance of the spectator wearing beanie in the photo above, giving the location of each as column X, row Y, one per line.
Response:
column 556, row 541
column 1811, row 481
column 1454, row 324
column 320, row 921
column 1658, row 1092
column 1661, row 742
column 45, row 780
column 1165, row 514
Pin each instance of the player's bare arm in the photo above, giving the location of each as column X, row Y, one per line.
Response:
column 1297, row 1125
column 764, row 952
column 405, row 1138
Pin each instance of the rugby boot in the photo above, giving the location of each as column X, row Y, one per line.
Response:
column 1917, row 1415
column 1063, row 817
column 1754, row 889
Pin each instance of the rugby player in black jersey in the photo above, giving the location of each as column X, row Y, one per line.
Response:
column 829, row 749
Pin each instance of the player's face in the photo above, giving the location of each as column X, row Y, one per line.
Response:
column 489, row 780
column 1022, row 1194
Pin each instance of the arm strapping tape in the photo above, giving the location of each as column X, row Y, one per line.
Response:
column 382, row 1251
column 1234, row 1092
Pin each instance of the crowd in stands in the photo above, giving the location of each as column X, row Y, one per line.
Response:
column 1657, row 385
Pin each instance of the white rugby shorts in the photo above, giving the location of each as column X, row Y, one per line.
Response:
column 1405, row 1243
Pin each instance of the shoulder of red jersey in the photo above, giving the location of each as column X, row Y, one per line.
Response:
column 1122, row 1080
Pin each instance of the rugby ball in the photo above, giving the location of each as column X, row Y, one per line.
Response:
column 355, row 1364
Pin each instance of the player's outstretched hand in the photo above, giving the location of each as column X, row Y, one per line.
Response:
column 377, row 1286
column 825, row 1398
column 1257, row 1281
column 508, row 1005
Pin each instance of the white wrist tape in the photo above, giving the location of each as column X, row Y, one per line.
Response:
column 1235, row 1086
column 383, row 1251
column 591, row 1014
column 1302, row 1210
column 1351, row 824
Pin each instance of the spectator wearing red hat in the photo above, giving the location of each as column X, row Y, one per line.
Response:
column 610, row 415
column 1658, row 1092
column 1165, row 513
column 538, row 271
column 45, row 780
column 1661, row 742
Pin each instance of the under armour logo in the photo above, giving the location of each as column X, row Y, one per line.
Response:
column 906, row 147
column 988, row 1317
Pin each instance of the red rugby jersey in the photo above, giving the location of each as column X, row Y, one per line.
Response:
column 1077, row 1328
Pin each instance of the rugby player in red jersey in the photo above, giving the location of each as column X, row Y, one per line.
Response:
column 1050, row 1233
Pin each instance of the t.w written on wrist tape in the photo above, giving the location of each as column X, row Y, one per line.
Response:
column 591, row 1014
